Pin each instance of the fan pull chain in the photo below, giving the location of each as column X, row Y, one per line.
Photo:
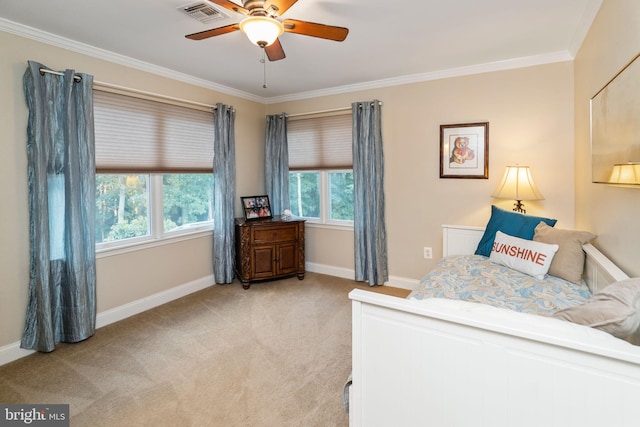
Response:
column 264, row 70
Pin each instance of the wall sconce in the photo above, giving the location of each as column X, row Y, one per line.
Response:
column 625, row 173
column 517, row 184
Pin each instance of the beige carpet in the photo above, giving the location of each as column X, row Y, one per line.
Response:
column 275, row 355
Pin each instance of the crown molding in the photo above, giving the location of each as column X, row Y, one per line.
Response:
column 85, row 49
column 433, row 75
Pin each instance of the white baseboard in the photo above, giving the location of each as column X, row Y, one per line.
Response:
column 147, row 303
column 11, row 352
column 402, row 282
column 330, row 270
column 346, row 273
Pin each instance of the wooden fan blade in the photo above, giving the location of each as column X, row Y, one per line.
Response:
column 279, row 6
column 274, row 51
column 214, row 32
column 312, row 29
column 231, row 6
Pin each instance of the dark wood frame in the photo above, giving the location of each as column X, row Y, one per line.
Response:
column 479, row 134
column 256, row 207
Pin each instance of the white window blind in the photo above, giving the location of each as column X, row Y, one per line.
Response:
column 136, row 135
column 320, row 143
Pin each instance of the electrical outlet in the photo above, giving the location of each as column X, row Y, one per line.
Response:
column 428, row 253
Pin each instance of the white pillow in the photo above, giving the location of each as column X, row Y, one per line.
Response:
column 525, row 256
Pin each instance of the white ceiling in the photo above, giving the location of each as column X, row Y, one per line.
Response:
column 389, row 42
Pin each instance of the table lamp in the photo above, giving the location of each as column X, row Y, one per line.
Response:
column 517, row 184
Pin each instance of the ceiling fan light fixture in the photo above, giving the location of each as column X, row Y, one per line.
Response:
column 261, row 30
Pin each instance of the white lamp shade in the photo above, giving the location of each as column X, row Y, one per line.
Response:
column 261, row 30
column 625, row 173
column 517, row 184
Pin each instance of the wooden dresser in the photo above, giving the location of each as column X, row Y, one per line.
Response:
column 267, row 249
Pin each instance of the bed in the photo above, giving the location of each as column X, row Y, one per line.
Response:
column 443, row 362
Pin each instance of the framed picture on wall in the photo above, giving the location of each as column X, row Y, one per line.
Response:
column 464, row 150
column 256, row 207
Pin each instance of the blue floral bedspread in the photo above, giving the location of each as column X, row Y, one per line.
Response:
column 475, row 278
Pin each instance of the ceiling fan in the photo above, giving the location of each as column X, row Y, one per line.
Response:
column 263, row 28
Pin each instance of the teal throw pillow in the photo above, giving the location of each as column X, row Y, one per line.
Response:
column 509, row 222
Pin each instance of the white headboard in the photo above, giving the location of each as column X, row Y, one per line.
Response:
column 460, row 240
column 599, row 271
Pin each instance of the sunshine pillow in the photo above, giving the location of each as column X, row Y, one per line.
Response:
column 511, row 223
column 525, row 256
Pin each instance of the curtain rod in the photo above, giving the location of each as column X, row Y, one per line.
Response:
column 58, row 73
column 334, row 110
column 140, row 92
column 124, row 90
column 319, row 112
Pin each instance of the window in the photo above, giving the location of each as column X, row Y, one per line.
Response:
column 320, row 168
column 122, row 206
column 304, row 193
column 153, row 169
column 341, row 195
column 187, row 201
column 306, row 190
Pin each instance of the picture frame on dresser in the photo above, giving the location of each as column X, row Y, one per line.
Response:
column 464, row 150
column 256, row 207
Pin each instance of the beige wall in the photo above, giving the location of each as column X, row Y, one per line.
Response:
column 530, row 111
column 121, row 278
column 608, row 211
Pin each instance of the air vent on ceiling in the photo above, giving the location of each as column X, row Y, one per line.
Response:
column 203, row 12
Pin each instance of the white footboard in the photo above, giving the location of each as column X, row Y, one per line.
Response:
column 453, row 363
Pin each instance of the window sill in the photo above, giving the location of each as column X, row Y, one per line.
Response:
column 341, row 227
column 150, row 243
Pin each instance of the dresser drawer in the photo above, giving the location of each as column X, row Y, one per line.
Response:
column 274, row 234
column 269, row 249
